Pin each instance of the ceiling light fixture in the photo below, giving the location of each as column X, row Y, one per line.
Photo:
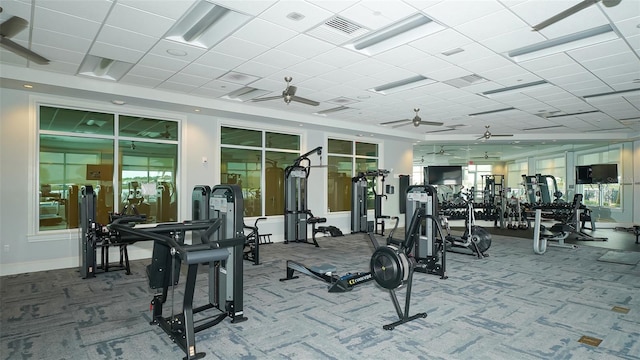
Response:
column 245, row 93
column 206, row 24
column 396, row 34
column 332, row 110
column 118, row 102
column 564, row 43
column 401, row 85
column 536, row 85
column 176, row 52
column 492, row 111
column 612, row 95
column 572, row 114
column 27, row 86
column 103, row 68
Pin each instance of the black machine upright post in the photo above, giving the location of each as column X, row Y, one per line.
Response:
column 88, row 241
column 296, row 211
column 359, row 186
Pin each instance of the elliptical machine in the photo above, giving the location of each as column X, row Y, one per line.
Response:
column 475, row 240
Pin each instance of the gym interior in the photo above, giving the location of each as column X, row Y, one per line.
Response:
column 279, row 193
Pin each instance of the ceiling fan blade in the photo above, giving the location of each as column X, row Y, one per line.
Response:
column 13, row 26
column 394, row 122
column 501, row 135
column 304, row 101
column 437, row 131
column 401, row 125
column 267, row 98
column 570, row 11
column 434, row 123
column 23, row 51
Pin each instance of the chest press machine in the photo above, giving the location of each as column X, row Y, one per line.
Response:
column 217, row 241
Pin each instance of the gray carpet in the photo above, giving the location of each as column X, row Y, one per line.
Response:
column 512, row 305
column 621, row 257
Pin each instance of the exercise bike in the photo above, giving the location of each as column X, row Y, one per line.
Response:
column 475, row 238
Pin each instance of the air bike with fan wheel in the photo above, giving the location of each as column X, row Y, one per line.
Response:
column 392, row 265
column 475, row 240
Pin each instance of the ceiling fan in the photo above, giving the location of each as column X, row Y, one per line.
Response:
column 416, row 121
column 439, row 152
column 289, row 95
column 12, row 27
column 486, row 156
column 572, row 10
column 487, row 134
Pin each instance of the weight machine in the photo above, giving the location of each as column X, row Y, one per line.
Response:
column 379, row 218
column 576, row 221
column 541, row 236
column 217, row 242
column 296, row 213
column 475, row 238
column 359, row 187
column 429, row 244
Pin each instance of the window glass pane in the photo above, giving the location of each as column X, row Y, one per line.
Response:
column 75, row 121
column 243, row 137
column 339, row 185
column 364, row 149
column 276, row 162
column 243, row 167
column 340, row 147
column 66, row 164
column 282, row 141
column 147, row 183
column 146, row 128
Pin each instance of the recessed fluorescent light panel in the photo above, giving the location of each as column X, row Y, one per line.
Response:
column 613, row 95
column 103, row 68
column 244, row 94
column 206, row 24
column 399, row 33
column 564, row 43
column 491, row 112
column 401, row 85
column 332, row 110
column 536, row 85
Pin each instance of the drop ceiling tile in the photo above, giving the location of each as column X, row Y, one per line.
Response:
column 305, row 46
column 453, row 13
column 547, row 62
column 257, row 69
column 140, row 80
column 378, row 14
column 135, row 20
column 629, row 60
column 94, row 10
column 371, row 67
column 340, row 75
column 281, row 58
column 563, row 71
column 313, row 15
column 405, row 52
column 448, row 73
column 203, row 71
column 333, row 5
column 251, row 7
column 59, row 54
column 16, row 8
column 310, row 68
column 624, row 10
column 10, row 58
column 150, row 72
column 59, row 40
column 505, row 72
column 219, row 60
column 208, row 93
column 220, row 85
column 166, row 48
column 615, row 70
column 109, row 51
column 264, row 33
column 125, row 38
column 441, row 41
column 178, row 87
column 172, row 9
column 239, row 48
column 596, row 51
column 492, row 25
column 65, row 24
column 195, row 81
column 340, row 57
column 508, row 41
column 57, row 66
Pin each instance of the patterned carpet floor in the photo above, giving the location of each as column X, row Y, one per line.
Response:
column 512, row 305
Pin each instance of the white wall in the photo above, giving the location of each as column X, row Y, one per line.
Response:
column 23, row 250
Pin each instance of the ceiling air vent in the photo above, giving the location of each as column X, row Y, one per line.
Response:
column 343, row 25
column 466, row 81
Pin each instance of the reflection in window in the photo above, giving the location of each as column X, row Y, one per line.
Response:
column 250, row 158
column 345, row 160
column 147, row 160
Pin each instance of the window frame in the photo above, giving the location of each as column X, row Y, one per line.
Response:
column 34, row 234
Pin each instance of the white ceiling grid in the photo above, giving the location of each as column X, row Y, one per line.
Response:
column 272, row 45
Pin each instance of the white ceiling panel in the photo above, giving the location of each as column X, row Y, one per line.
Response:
column 257, row 69
column 61, row 41
column 64, row 23
column 310, row 68
column 491, row 25
column 135, row 20
column 139, row 80
column 94, row 10
column 125, row 38
column 304, row 46
column 441, row 41
column 264, row 33
column 313, row 15
column 377, row 14
column 251, row 7
column 240, row 48
column 280, row 58
column 219, row 60
column 172, row 9
column 453, row 13
column 109, row 51
column 334, row 6
column 203, row 71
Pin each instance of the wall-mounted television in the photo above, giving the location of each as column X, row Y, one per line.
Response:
column 604, row 173
column 583, row 174
column 443, row 175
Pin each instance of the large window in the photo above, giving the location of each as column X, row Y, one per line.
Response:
column 345, row 160
column 515, row 171
column 256, row 160
column 77, row 147
column 556, row 167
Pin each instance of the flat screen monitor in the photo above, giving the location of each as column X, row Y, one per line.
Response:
column 583, row 174
column 604, row 173
column 443, row 175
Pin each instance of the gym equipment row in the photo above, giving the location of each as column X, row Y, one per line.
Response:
column 217, row 241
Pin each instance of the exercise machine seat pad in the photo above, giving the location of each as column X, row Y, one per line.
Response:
column 316, row 220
